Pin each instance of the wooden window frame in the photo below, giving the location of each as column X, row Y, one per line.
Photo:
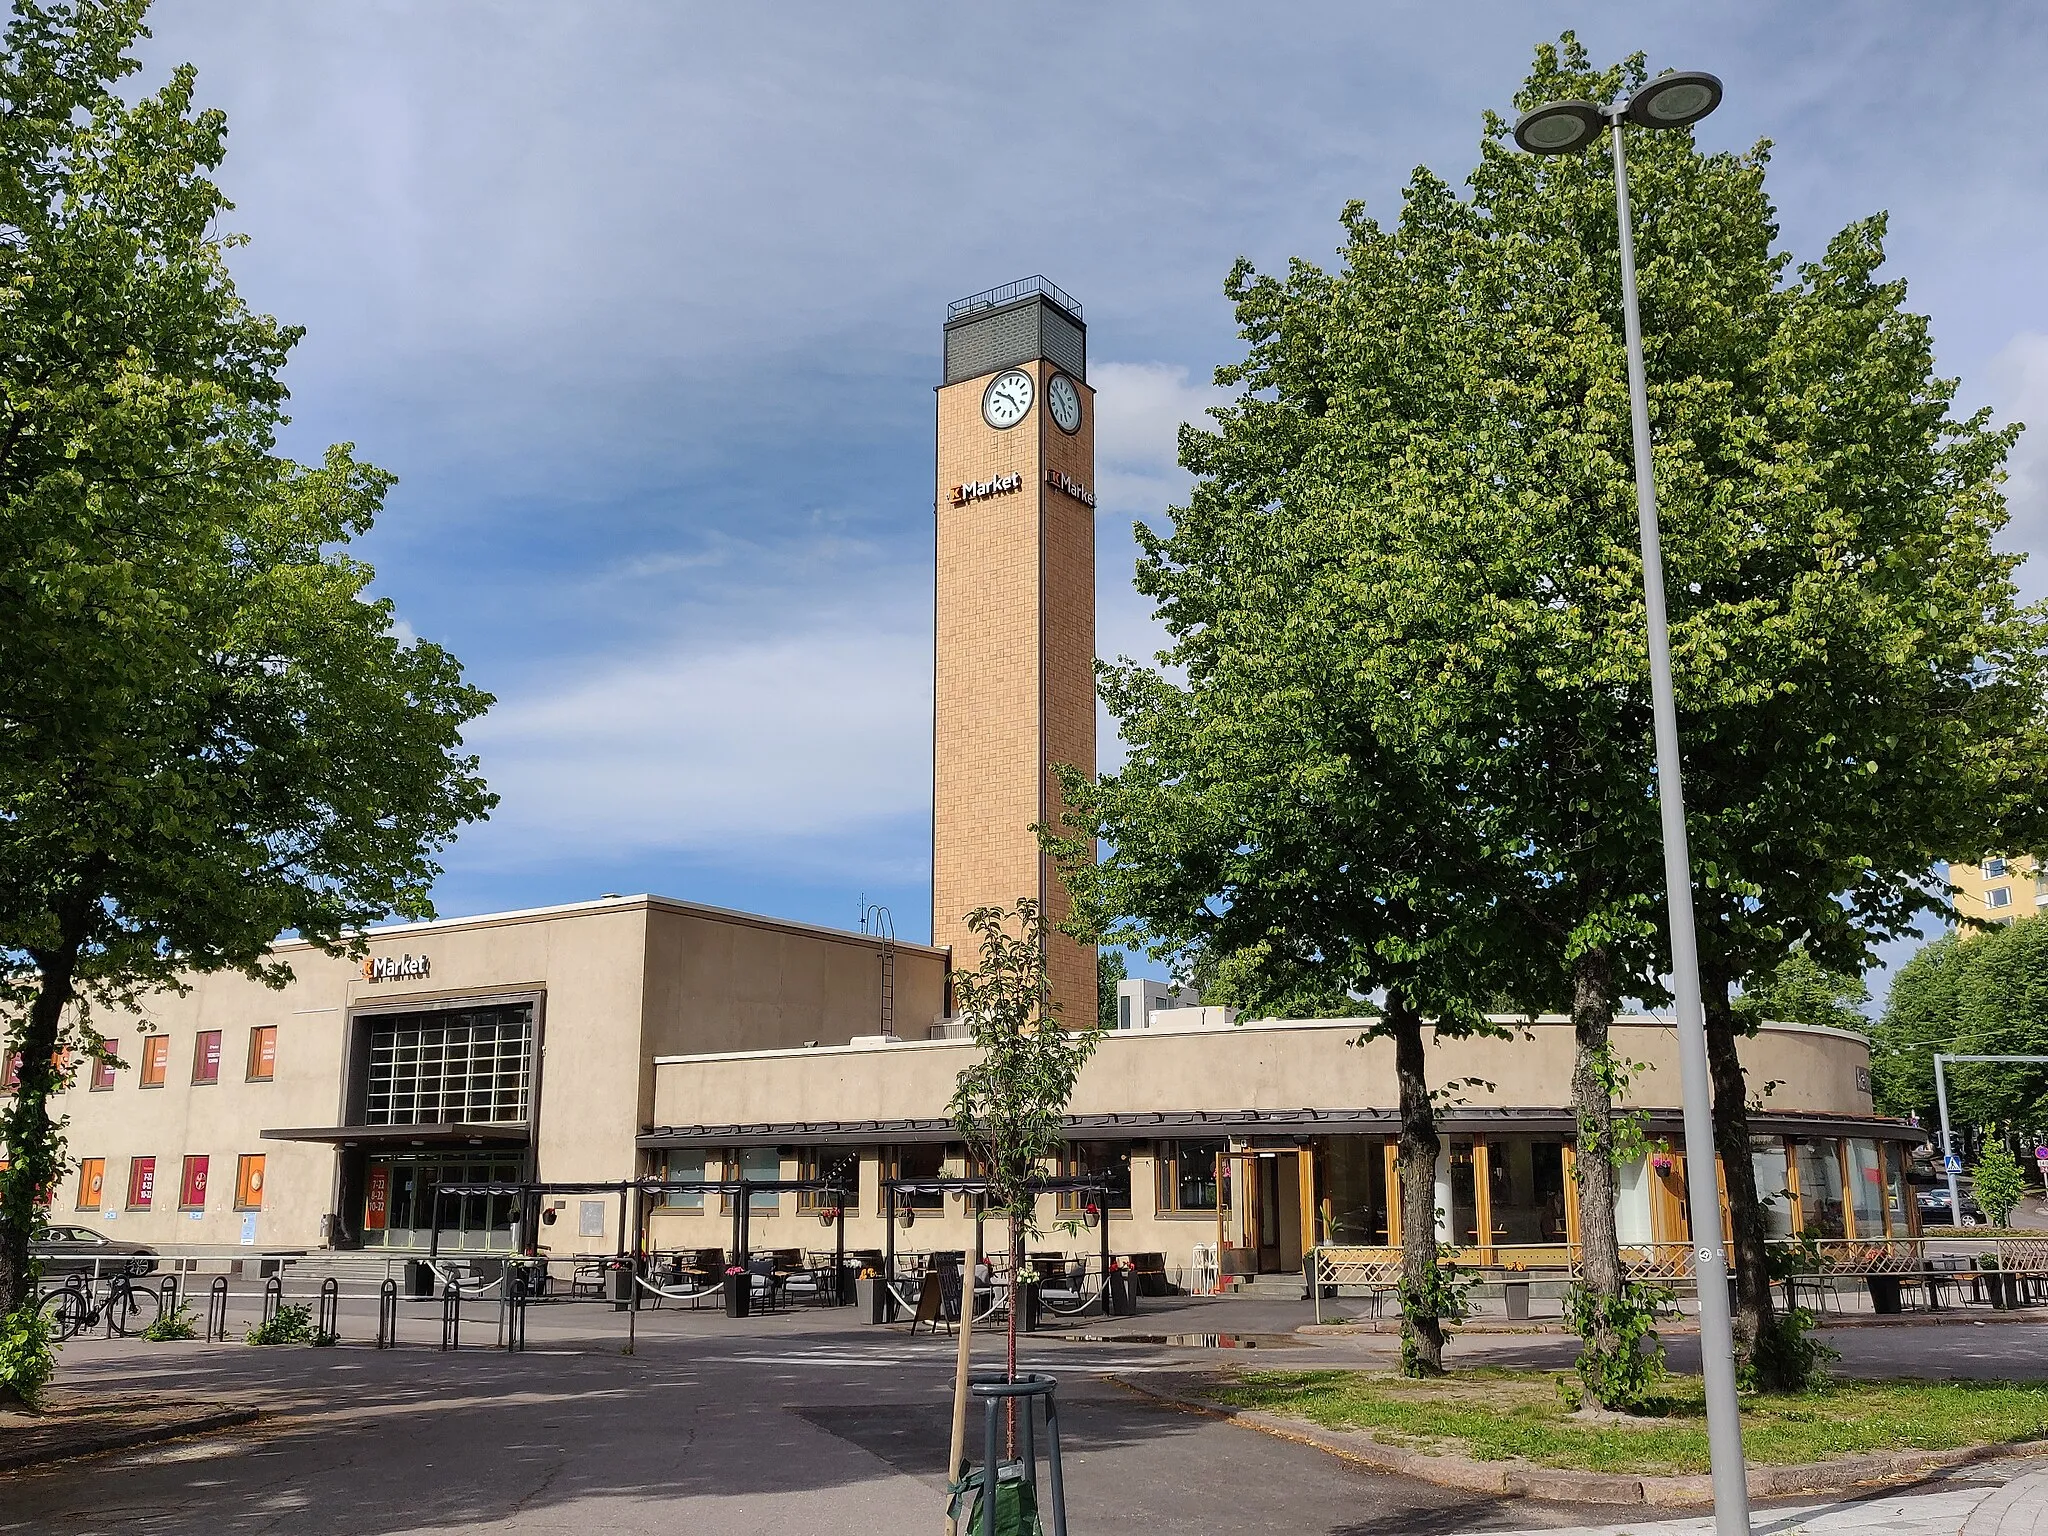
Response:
column 156, row 1059
column 101, row 1078
column 92, row 1183
column 248, row 1192
column 258, row 1034
column 203, row 1163
column 199, row 1062
column 137, row 1166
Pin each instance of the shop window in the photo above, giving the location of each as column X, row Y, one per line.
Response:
column 206, row 1056
column 141, row 1183
column 1351, row 1180
column 1773, row 1175
column 1897, row 1194
column 1632, row 1202
column 1866, row 1188
column 919, row 1162
column 103, row 1058
column 1819, row 1166
column 92, row 1174
column 840, row 1164
column 1107, row 1160
column 679, row 1163
column 156, row 1060
column 249, row 1182
column 1526, row 1191
column 192, row 1185
column 262, row 1053
column 763, row 1163
column 1187, row 1176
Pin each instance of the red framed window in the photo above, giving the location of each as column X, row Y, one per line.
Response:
column 206, row 1056
column 141, row 1183
column 156, row 1060
column 192, row 1185
column 103, row 1065
column 11, row 1078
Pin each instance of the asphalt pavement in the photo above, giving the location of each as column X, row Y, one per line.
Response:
column 804, row 1422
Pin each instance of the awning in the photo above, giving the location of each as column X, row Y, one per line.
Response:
column 1250, row 1124
column 440, row 1134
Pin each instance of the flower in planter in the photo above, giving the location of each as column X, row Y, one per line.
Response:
column 1663, row 1163
column 734, row 1269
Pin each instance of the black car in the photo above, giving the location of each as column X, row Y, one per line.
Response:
column 1934, row 1207
column 79, row 1250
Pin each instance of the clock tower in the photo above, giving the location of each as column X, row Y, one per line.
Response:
column 1014, row 670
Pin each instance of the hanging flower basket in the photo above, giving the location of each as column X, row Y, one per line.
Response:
column 828, row 1215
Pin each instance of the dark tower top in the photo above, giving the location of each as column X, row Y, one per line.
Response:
column 1016, row 323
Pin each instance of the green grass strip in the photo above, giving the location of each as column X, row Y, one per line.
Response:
column 1495, row 1414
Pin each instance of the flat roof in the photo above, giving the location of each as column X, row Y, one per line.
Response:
column 868, row 1043
column 643, row 901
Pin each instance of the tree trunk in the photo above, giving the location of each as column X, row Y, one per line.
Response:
column 35, row 1146
column 1753, row 1310
column 1593, row 1166
column 1419, row 1147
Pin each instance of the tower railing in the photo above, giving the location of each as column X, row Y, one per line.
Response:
column 1012, row 291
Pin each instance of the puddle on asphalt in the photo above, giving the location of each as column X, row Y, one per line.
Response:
column 1192, row 1340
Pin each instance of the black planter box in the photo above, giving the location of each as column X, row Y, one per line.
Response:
column 739, row 1295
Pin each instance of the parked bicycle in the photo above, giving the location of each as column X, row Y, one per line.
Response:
column 77, row 1306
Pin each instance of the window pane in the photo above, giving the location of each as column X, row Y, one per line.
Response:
column 685, row 1165
column 761, row 1163
column 468, row 1066
column 1866, row 1188
column 1773, row 1186
column 1820, row 1189
column 1632, row 1201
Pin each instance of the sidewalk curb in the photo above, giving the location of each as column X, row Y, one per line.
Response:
column 127, row 1439
column 1390, row 1327
column 1524, row 1480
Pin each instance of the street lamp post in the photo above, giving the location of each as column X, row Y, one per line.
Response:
column 1565, row 127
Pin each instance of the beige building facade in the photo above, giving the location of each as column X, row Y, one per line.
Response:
column 516, row 1047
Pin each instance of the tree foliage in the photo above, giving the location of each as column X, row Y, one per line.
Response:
column 1998, row 1183
column 1801, row 991
column 1975, row 994
column 209, row 733
column 1400, row 741
column 1110, row 968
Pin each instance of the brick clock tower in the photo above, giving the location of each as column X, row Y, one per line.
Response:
column 1014, row 673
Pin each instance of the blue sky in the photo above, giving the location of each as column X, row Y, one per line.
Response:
column 641, row 302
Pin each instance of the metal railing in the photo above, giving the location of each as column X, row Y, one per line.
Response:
column 1017, row 290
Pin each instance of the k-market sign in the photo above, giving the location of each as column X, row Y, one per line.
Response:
column 397, row 968
column 981, row 490
column 1059, row 480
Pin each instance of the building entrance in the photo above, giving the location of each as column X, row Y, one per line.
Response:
column 398, row 1202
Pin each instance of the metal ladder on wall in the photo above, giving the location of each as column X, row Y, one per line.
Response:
column 885, row 926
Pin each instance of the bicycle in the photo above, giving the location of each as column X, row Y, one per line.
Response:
column 74, row 1307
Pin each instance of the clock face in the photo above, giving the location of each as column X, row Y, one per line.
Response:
column 1064, row 401
column 1008, row 399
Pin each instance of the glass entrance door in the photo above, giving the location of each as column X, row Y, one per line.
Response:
column 399, row 1203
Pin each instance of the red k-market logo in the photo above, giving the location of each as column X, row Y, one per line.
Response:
column 397, row 968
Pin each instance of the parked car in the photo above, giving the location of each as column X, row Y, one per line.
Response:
column 1934, row 1207
column 78, row 1250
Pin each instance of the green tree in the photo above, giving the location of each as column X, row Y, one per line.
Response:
column 1998, row 1183
column 1010, row 1102
column 209, row 734
column 1406, row 600
column 1801, row 991
column 1109, row 970
column 1975, row 994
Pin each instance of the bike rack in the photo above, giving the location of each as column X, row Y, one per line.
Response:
column 329, row 1325
column 512, row 1312
column 217, row 1309
column 451, row 1317
column 167, row 1295
column 387, row 1314
column 273, row 1296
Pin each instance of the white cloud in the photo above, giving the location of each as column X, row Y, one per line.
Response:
column 1139, row 408
column 2017, row 382
column 793, row 746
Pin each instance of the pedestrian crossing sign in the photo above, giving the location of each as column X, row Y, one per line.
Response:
column 1952, row 1163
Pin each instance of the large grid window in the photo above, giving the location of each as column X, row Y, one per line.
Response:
column 469, row 1066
